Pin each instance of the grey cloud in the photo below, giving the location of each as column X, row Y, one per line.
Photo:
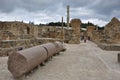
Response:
column 106, row 7
column 30, row 5
column 76, row 3
column 6, row 6
column 99, row 6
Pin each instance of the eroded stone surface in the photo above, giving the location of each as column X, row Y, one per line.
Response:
column 75, row 23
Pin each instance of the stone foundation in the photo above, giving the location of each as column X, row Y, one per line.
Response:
column 110, row 47
column 8, row 46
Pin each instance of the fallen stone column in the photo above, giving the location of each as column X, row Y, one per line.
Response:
column 23, row 61
column 50, row 48
column 59, row 46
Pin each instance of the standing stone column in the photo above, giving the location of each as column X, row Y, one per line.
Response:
column 68, row 16
column 89, row 32
column 75, row 23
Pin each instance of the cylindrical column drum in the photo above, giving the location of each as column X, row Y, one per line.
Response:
column 59, row 46
column 21, row 62
column 51, row 49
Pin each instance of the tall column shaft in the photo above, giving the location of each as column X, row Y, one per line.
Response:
column 68, row 16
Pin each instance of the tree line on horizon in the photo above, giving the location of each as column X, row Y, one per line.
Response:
column 83, row 25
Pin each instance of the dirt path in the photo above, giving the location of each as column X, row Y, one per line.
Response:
column 80, row 62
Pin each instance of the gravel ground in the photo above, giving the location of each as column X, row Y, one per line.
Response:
column 80, row 62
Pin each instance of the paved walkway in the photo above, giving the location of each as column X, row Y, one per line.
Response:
column 80, row 62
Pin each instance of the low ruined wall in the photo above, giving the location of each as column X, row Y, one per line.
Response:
column 8, row 46
column 15, row 43
column 111, row 47
column 46, row 40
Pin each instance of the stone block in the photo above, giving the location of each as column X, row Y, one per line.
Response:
column 118, row 57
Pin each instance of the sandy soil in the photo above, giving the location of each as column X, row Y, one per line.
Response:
column 80, row 62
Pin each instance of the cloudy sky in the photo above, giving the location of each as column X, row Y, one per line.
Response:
column 98, row 12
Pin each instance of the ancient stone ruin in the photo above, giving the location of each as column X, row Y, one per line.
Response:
column 110, row 34
column 89, row 32
column 18, row 35
column 112, row 31
column 75, row 23
column 109, row 38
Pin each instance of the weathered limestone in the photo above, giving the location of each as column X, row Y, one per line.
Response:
column 6, row 47
column 98, row 36
column 36, row 31
column 23, row 61
column 16, row 35
column 110, row 34
column 7, row 35
column 68, row 34
column 51, row 49
column 18, row 28
column 75, row 23
column 112, row 31
column 89, row 32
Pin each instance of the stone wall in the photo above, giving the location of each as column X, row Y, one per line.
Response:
column 110, row 47
column 109, row 38
column 50, row 32
column 18, row 35
column 6, row 47
column 7, row 35
column 98, row 36
column 75, row 36
column 112, row 31
column 89, row 32
column 18, row 28
column 110, row 34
